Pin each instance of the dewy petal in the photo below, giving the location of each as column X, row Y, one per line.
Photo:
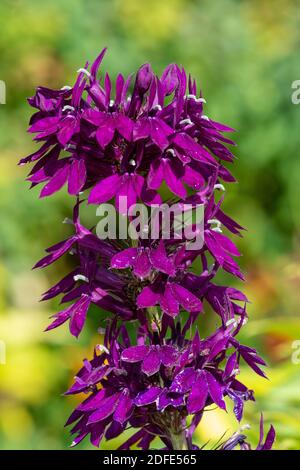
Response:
column 142, row 265
column 168, row 355
column 160, row 260
column 184, row 381
column 77, row 177
column 159, row 132
column 148, row 396
column 124, row 259
column 135, row 353
column 189, row 301
column 104, row 190
column 168, row 302
column 78, row 315
column 151, row 363
column 197, row 397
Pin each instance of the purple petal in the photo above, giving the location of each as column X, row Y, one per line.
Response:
column 142, row 265
column 184, row 381
column 124, row 408
column 105, row 134
column 168, row 355
column 135, row 353
column 189, row 301
column 215, row 390
column 151, row 363
column 160, row 260
column 124, row 259
column 197, row 397
column 78, row 315
column 167, row 398
column 107, row 407
column 56, row 182
column 77, row 177
column 147, row 298
column 168, row 302
column 104, row 190
column 147, row 397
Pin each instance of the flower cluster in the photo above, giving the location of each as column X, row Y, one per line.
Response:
column 155, row 372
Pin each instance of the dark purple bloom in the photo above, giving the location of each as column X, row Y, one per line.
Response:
column 155, row 371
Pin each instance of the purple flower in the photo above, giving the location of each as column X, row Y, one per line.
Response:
column 155, row 372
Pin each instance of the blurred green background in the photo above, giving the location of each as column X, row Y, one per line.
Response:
column 245, row 55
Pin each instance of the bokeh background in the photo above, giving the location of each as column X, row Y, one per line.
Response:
column 245, row 54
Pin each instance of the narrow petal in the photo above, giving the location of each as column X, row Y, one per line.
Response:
column 168, row 302
column 148, row 396
column 124, row 409
column 78, row 315
column 56, row 182
column 106, row 407
column 215, row 390
column 77, row 177
column 104, row 190
column 198, row 396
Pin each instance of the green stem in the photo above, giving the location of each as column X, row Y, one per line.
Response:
column 179, row 441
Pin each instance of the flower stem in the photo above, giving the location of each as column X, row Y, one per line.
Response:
column 179, row 441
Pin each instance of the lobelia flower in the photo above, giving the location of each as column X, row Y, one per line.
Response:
column 155, row 372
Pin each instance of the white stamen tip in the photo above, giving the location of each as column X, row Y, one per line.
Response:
column 67, row 220
column 186, row 122
column 201, row 100
column 68, row 108
column 171, row 152
column 190, row 97
column 80, row 277
column 157, row 107
column 232, row 321
column 66, row 88
column 219, row 186
column 245, row 427
column 85, row 71
column 217, row 229
column 132, row 162
column 206, row 118
column 111, row 103
column 214, row 221
column 102, row 348
column 70, row 147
